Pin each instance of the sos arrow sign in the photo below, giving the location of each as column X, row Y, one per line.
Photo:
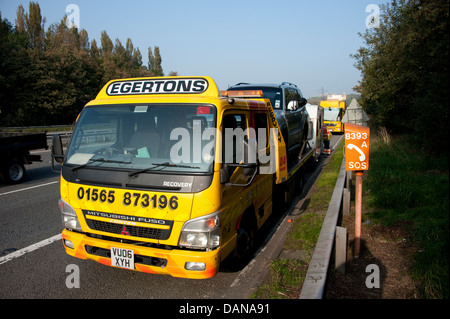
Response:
column 357, row 159
column 357, row 139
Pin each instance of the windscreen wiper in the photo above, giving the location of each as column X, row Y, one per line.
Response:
column 93, row 160
column 156, row 165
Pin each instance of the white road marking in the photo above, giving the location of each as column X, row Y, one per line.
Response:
column 29, row 249
column 27, row 188
column 40, row 151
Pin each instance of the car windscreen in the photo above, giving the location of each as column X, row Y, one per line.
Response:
column 275, row 95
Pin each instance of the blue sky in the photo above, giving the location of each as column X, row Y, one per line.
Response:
column 304, row 42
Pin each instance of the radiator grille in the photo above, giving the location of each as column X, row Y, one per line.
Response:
column 134, row 231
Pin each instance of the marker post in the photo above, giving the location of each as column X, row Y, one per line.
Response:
column 358, row 213
column 357, row 139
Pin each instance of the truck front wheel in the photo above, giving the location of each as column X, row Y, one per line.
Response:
column 246, row 239
column 14, row 172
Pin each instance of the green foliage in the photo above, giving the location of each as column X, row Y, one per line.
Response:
column 305, row 232
column 286, row 277
column 154, row 62
column 48, row 76
column 408, row 187
column 404, row 65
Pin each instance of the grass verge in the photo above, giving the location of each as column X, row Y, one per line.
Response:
column 405, row 186
column 408, row 186
column 286, row 275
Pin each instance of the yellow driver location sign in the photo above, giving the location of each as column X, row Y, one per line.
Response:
column 357, row 147
column 157, row 86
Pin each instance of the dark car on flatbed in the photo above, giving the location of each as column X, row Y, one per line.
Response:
column 289, row 106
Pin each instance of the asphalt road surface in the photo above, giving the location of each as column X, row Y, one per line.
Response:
column 34, row 265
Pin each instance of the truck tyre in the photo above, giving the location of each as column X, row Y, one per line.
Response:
column 299, row 181
column 279, row 198
column 246, row 240
column 14, row 172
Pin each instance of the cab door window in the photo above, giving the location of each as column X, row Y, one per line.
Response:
column 233, row 128
column 261, row 130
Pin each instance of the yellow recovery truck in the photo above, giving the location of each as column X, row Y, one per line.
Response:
column 165, row 175
column 334, row 109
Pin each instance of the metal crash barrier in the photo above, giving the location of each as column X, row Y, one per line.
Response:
column 315, row 280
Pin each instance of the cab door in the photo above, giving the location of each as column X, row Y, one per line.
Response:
column 264, row 181
column 235, row 199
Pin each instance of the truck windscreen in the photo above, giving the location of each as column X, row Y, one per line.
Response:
column 332, row 114
column 145, row 138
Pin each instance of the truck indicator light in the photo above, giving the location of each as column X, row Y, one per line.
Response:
column 203, row 110
column 243, row 93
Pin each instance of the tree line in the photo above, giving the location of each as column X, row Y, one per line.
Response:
column 404, row 66
column 47, row 76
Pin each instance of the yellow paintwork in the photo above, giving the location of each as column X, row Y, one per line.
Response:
column 231, row 201
column 334, row 126
column 176, row 259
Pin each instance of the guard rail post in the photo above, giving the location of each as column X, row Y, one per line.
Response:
column 346, row 195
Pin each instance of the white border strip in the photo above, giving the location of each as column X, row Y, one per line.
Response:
column 29, row 249
column 27, row 188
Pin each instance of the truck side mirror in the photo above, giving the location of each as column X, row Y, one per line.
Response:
column 224, row 174
column 249, row 167
column 57, row 150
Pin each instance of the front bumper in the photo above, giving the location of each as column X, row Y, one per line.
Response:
column 334, row 127
column 147, row 259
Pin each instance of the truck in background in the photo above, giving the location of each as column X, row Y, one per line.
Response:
column 334, row 109
column 316, row 115
column 15, row 153
column 165, row 175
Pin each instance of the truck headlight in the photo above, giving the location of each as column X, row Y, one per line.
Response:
column 68, row 215
column 202, row 232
